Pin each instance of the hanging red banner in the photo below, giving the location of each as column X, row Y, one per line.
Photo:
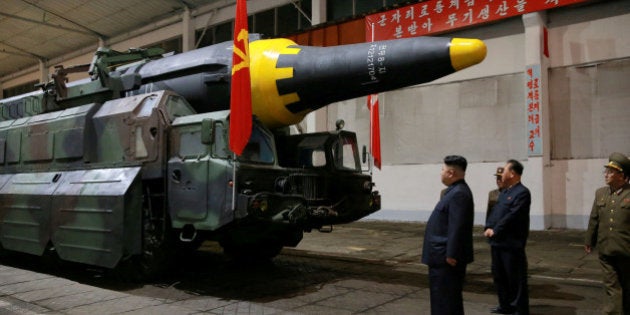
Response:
column 436, row 16
column 375, row 129
column 240, row 91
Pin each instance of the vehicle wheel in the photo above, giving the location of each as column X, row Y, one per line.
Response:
column 3, row 252
column 253, row 252
column 187, row 240
column 156, row 257
column 51, row 261
column 190, row 246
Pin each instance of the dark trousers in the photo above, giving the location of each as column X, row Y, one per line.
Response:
column 509, row 269
column 446, row 283
column 616, row 272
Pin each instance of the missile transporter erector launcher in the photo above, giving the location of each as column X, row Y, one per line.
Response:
column 131, row 165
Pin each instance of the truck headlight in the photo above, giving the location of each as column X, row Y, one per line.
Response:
column 367, row 185
column 283, row 185
column 260, row 204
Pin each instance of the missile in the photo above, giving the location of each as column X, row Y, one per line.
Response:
column 288, row 80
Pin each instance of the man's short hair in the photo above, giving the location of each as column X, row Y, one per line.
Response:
column 516, row 166
column 456, row 161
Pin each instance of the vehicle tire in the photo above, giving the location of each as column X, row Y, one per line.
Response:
column 252, row 252
column 3, row 252
column 156, row 257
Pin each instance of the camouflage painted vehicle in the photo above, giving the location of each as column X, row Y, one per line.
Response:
column 131, row 165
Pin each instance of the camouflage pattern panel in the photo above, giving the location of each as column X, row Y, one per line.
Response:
column 72, row 135
column 199, row 174
column 79, row 93
column 44, row 142
column 22, row 106
column 13, row 136
column 86, row 91
column 132, row 130
column 4, row 126
column 97, row 215
column 3, row 180
column 57, row 135
column 25, row 205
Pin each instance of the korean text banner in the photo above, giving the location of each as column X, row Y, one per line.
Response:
column 436, row 16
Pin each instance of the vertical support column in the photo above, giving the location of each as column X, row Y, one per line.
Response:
column 317, row 120
column 318, row 7
column 188, row 31
column 1, row 91
column 537, row 115
column 43, row 71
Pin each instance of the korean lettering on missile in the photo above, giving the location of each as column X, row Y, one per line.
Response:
column 376, row 56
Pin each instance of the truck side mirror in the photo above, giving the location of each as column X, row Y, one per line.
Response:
column 364, row 154
column 207, row 131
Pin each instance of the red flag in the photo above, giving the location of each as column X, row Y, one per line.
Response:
column 375, row 129
column 241, row 91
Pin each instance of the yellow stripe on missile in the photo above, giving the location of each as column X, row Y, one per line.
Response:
column 466, row 52
column 267, row 103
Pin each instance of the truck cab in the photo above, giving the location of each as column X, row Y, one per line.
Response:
column 264, row 199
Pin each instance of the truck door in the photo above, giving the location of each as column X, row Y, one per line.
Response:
column 187, row 175
column 199, row 176
column 220, row 176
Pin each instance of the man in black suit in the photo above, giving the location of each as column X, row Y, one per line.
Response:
column 507, row 228
column 448, row 245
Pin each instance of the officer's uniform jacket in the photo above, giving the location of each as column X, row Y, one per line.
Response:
column 493, row 198
column 609, row 224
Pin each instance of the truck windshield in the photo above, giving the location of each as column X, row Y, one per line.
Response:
column 311, row 152
column 345, row 155
column 258, row 149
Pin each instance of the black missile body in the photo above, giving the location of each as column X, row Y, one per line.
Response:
column 325, row 75
column 289, row 80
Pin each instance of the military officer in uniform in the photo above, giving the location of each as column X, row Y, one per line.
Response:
column 493, row 195
column 609, row 232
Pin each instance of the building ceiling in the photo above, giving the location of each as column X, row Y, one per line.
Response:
column 34, row 30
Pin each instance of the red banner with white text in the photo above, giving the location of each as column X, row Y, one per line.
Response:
column 437, row 16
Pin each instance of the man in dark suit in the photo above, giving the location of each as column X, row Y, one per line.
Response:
column 448, row 245
column 507, row 228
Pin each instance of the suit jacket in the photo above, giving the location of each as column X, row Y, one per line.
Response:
column 449, row 229
column 509, row 218
column 610, row 222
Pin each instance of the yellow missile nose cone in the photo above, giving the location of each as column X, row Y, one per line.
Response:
column 466, row 52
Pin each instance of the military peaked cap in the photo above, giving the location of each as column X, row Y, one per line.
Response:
column 499, row 171
column 619, row 162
